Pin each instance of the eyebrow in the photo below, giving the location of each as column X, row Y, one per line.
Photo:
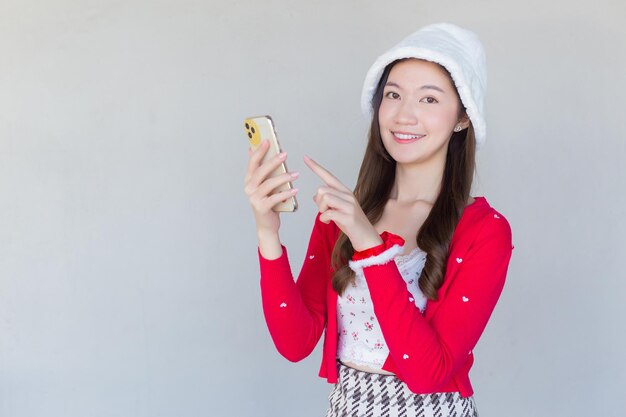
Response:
column 424, row 87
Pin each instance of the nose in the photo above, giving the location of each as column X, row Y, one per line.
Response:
column 406, row 113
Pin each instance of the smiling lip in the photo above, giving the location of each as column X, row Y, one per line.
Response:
column 404, row 138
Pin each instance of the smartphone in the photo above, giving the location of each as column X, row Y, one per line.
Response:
column 258, row 129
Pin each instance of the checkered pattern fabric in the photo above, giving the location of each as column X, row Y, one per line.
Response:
column 364, row 394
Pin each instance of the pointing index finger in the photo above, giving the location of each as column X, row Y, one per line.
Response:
column 324, row 174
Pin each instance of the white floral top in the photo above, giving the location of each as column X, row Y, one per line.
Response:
column 360, row 338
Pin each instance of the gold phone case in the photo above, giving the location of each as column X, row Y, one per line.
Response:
column 258, row 129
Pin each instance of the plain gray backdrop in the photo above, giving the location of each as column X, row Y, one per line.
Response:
column 128, row 264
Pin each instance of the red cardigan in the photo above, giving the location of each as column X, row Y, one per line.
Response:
column 430, row 352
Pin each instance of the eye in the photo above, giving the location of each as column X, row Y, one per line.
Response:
column 392, row 95
column 429, row 100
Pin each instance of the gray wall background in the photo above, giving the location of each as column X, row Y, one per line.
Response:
column 128, row 271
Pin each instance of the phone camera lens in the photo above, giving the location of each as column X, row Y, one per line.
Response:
column 250, row 135
column 253, row 130
column 247, row 126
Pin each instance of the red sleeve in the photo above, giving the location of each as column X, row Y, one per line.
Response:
column 295, row 312
column 429, row 352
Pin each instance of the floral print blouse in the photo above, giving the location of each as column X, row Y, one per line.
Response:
column 360, row 338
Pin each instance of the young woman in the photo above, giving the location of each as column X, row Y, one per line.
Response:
column 403, row 273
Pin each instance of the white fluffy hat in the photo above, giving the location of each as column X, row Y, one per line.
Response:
column 456, row 49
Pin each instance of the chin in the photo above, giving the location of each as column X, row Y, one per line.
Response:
column 408, row 161
column 404, row 158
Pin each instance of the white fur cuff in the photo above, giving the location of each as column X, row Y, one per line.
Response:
column 379, row 259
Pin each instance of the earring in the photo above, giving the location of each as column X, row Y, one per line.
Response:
column 458, row 128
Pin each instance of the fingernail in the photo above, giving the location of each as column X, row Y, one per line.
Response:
column 294, row 190
column 282, row 155
column 295, row 174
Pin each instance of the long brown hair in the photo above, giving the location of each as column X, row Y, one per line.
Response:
column 373, row 187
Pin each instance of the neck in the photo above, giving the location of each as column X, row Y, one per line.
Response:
column 418, row 182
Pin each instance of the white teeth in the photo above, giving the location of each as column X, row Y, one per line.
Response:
column 403, row 136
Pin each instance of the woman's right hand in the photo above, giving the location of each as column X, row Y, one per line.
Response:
column 258, row 188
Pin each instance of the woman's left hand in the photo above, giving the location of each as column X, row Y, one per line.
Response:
column 338, row 204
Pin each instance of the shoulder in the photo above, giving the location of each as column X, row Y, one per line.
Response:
column 481, row 222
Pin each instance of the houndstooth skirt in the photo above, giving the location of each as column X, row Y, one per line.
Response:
column 364, row 394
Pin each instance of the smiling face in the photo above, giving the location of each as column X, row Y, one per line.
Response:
column 418, row 112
